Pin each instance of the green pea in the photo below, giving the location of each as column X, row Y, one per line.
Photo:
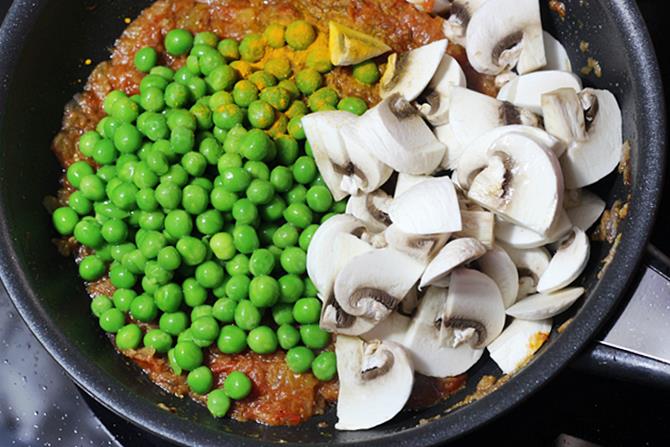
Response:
column 209, row 222
column 125, row 110
column 178, row 42
column 143, row 308
column 209, row 274
column 194, row 293
column 295, row 128
column 153, row 81
column 197, row 88
column 169, row 297
column 274, row 35
column 252, row 48
column 324, row 366
column 203, row 116
column 193, row 251
column 237, row 385
column 105, row 152
column 112, row 320
column 182, row 140
column 178, row 224
column 224, row 310
column 352, row 104
column 244, row 93
column 232, row 340
column 218, row 403
column 205, row 328
column 282, row 314
column 285, row 236
column 244, row 211
column 262, row 262
column 169, row 258
column 114, row 231
column 274, row 210
column 128, row 337
column 176, row 95
column 238, row 265
column 204, row 310
column 123, row 298
column 260, row 114
column 280, row 68
column 255, row 145
column 76, row 171
column 262, row 340
column 308, row 81
column 324, row 98
column 100, row 304
column 233, row 139
column 195, row 199
column 306, row 236
column 88, row 232
column 293, row 260
column 120, row 276
column 235, row 179
column 287, row 336
column 297, row 108
column 247, row 316
column 200, row 380
column 210, row 61
column 229, row 49
column 159, row 340
column 237, row 287
column 146, row 59
column 144, row 177
column 263, row 291
column 299, row 215
column 262, row 79
column 107, row 127
column 299, row 359
column 65, row 220
column 168, row 195
column 300, row 35
column 319, row 59
column 307, row 310
column 319, row 199
column 188, row 355
column 152, row 220
column 245, row 238
column 173, row 323
column 164, row 72
column 305, row 170
column 87, row 142
column 181, row 118
column 177, row 175
column 221, row 78
column 313, row 336
column 366, row 72
column 91, row 268
column 291, row 288
column 260, row 192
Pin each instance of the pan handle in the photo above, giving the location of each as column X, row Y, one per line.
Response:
column 636, row 347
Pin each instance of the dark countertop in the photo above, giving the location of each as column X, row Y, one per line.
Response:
column 40, row 406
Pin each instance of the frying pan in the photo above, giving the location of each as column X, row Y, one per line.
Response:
column 43, row 44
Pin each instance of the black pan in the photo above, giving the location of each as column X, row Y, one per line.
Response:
column 43, row 44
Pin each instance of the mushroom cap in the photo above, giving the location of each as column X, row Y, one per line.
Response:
column 423, row 343
column 506, row 34
column 522, row 182
column 429, row 207
column 556, row 54
column 409, row 73
column 518, row 342
column 527, row 90
column 474, row 307
column 372, row 284
column 454, row 254
column 567, row 263
column 498, row 265
column 372, row 209
column 376, row 381
column 545, row 305
column 325, row 258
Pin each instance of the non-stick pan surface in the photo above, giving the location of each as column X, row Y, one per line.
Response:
column 43, row 46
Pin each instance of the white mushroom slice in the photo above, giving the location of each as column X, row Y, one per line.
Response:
column 430, row 207
column 556, row 54
column 591, row 125
column 474, row 312
column 476, row 155
column 409, row 304
column 395, row 133
column 584, row 214
column 334, row 319
column 518, row 342
column 498, row 265
column 423, row 247
column 325, row 258
column 434, row 101
column 454, row 254
column 522, row 183
column 372, row 284
column 521, row 237
column 567, row 263
column 376, row 380
column 322, row 130
column 430, row 356
column 364, row 173
column 393, row 328
column 473, row 114
column 479, row 225
column 506, row 34
column 545, row 305
column 454, row 149
column 371, row 209
column 409, row 73
column 406, row 181
column 527, row 90
column 460, row 13
column 531, row 264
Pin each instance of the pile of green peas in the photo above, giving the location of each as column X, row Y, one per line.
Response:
column 199, row 196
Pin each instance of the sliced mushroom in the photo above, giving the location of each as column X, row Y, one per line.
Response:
column 409, row 304
column 406, row 181
column 521, row 237
column 460, row 13
column 371, row 285
column 498, row 265
column 473, row 114
column 434, row 101
column 567, row 263
column 430, row 207
column 518, row 342
column 325, row 258
column 334, row 319
column 506, row 34
column 364, row 173
column 531, row 264
column 409, row 73
column 545, row 305
column 376, row 380
column 587, row 212
column 556, row 54
column 479, row 225
column 521, row 181
column 372, row 209
column 454, row 254
column 430, row 355
column 394, row 132
column 423, row 247
column 392, row 328
column 474, row 312
column 590, row 122
column 526, row 91
column 454, row 148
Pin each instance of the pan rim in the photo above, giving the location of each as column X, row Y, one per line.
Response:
column 594, row 313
